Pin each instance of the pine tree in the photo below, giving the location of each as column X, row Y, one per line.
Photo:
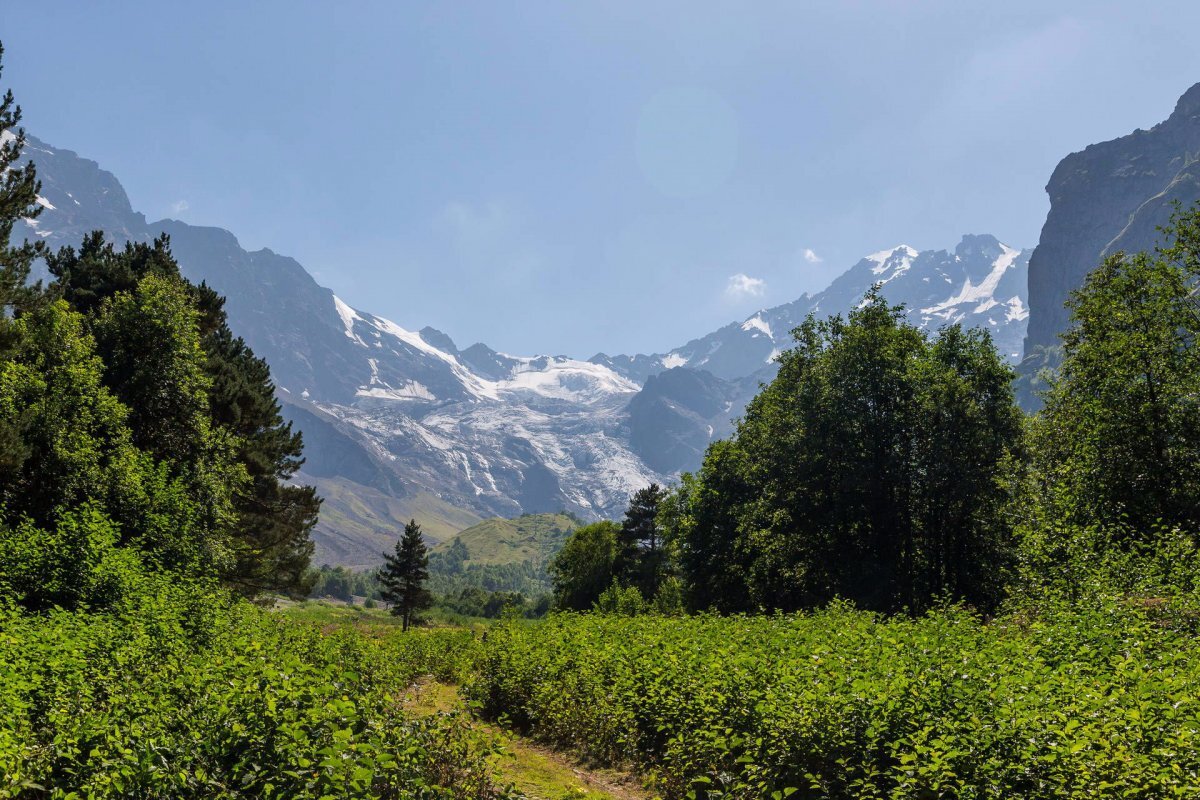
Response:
column 269, row 541
column 272, row 546
column 18, row 199
column 404, row 574
column 640, row 557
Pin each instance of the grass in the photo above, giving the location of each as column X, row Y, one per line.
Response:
column 335, row 613
column 533, row 537
column 536, row 772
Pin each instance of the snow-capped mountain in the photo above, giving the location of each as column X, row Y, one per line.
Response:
column 509, row 434
column 397, row 423
column 981, row 284
column 401, row 423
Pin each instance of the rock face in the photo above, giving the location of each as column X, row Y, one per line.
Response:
column 1110, row 197
column 403, row 423
column 679, row 411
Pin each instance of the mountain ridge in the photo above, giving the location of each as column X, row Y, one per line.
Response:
column 1111, row 196
column 402, row 422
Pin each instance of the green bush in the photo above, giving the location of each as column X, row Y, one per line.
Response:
column 1100, row 702
column 621, row 600
column 190, row 694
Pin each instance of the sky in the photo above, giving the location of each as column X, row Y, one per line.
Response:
column 577, row 177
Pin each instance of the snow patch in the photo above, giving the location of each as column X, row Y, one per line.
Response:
column 567, row 379
column 349, row 316
column 981, row 294
column 1016, row 310
column 757, row 323
column 672, row 360
column 409, row 390
column 883, row 256
column 33, row 223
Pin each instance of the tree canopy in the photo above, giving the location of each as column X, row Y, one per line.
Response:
column 1119, row 439
column 871, row 468
column 131, row 417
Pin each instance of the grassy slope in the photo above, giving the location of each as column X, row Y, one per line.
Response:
column 533, row 537
column 358, row 523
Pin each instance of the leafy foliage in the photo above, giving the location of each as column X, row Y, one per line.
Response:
column 125, row 396
column 192, row 695
column 871, row 468
column 585, row 566
column 1119, row 440
column 200, row 402
column 1090, row 702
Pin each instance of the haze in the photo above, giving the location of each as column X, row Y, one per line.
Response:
column 575, row 178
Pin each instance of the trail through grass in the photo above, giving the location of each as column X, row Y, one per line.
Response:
column 539, row 773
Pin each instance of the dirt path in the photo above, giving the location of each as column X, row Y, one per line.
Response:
column 539, row 772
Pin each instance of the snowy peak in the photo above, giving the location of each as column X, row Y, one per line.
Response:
column 973, row 298
column 980, row 284
column 757, row 326
column 887, row 265
column 426, row 367
column 400, row 422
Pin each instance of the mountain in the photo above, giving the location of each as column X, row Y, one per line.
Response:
column 401, row 423
column 980, row 284
column 690, row 394
column 1111, row 196
column 397, row 423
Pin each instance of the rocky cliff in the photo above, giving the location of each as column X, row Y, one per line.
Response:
column 1111, row 196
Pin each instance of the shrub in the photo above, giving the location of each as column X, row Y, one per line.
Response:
column 1097, row 702
column 191, row 694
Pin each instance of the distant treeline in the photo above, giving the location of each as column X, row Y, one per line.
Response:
column 478, row 590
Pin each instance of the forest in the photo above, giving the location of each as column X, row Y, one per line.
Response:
column 889, row 582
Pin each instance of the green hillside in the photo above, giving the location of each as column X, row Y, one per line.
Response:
column 350, row 534
column 532, row 537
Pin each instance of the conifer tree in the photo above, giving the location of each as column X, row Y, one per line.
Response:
column 18, row 199
column 640, row 557
column 19, row 189
column 404, row 575
column 269, row 542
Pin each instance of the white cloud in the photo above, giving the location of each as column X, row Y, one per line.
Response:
column 811, row 256
column 741, row 286
column 179, row 206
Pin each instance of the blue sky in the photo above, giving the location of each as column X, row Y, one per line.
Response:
column 571, row 177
